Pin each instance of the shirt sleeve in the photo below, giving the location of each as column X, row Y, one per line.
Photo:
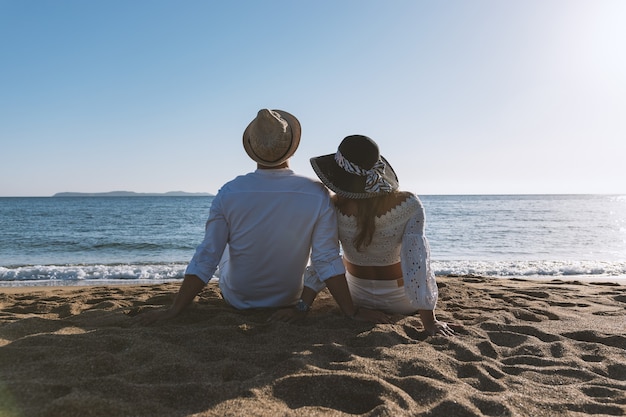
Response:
column 312, row 281
column 209, row 252
column 420, row 285
column 325, row 255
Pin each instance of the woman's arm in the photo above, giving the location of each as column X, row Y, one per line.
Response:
column 419, row 279
column 420, row 284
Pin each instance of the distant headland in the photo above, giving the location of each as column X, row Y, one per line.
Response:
column 134, row 194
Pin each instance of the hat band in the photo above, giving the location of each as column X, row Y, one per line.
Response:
column 374, row 177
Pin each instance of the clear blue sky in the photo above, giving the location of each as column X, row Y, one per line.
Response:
column 482, row 96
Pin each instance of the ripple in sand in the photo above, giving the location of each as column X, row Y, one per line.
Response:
column 520, row 330
column 423, row 390
column 550, row 376
column 487, row 349
column 477, row 378
column 453, row 408
column 491, row 407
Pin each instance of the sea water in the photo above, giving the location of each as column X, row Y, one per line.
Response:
column 87, row 240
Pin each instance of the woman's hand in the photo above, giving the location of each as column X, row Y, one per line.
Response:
column 433, row 326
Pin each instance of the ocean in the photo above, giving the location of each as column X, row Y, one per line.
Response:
column 106, row 240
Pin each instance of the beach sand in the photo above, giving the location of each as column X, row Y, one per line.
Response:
column 523, row 348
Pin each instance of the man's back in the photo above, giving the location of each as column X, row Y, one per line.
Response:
column 271, row 219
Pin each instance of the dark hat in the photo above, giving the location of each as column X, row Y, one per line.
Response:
column 272, row 137
column 356, row 170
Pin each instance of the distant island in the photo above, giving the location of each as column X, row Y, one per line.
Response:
column 134, row 194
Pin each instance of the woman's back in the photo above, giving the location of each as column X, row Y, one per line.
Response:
column 380, row 258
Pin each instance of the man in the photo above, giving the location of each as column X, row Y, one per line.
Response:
column 262, row 229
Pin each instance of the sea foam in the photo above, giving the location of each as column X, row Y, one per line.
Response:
column 156, row 273
column 76, row 274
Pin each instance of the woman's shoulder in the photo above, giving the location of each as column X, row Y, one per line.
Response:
column 403, row 205
column 407, row 198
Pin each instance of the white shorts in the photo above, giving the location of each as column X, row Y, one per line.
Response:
column 385, row 295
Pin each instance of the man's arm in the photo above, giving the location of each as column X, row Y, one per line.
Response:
column 190, row 288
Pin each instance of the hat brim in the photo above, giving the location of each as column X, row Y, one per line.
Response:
column 296, row 132
column 345, row 184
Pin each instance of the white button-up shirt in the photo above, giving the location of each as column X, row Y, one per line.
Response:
column 270, row 222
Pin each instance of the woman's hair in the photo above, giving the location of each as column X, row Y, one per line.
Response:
column 367, row 210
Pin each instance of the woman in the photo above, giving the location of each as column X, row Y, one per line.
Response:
column 381, row 229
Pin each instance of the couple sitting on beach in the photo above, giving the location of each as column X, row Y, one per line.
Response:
column 265, row 227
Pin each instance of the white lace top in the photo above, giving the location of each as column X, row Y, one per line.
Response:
column 399, row 237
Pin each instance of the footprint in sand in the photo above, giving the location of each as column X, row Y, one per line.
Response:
column 336, row 391
column 602, row 393
column 620, row 298
column 594, row 337
column 455, row 408
column 507, row 339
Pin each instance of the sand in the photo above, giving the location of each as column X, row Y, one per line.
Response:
column 523, row 348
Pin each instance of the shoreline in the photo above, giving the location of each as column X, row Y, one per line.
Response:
column 588, row 279
column 541, row 348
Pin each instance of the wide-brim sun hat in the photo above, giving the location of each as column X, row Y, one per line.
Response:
column 356, row 170
column 272, row 137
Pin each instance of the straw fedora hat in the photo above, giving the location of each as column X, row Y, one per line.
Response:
column 356, row 170
column 272, row 137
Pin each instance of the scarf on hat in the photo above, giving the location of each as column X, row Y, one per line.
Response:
column 374, row 180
